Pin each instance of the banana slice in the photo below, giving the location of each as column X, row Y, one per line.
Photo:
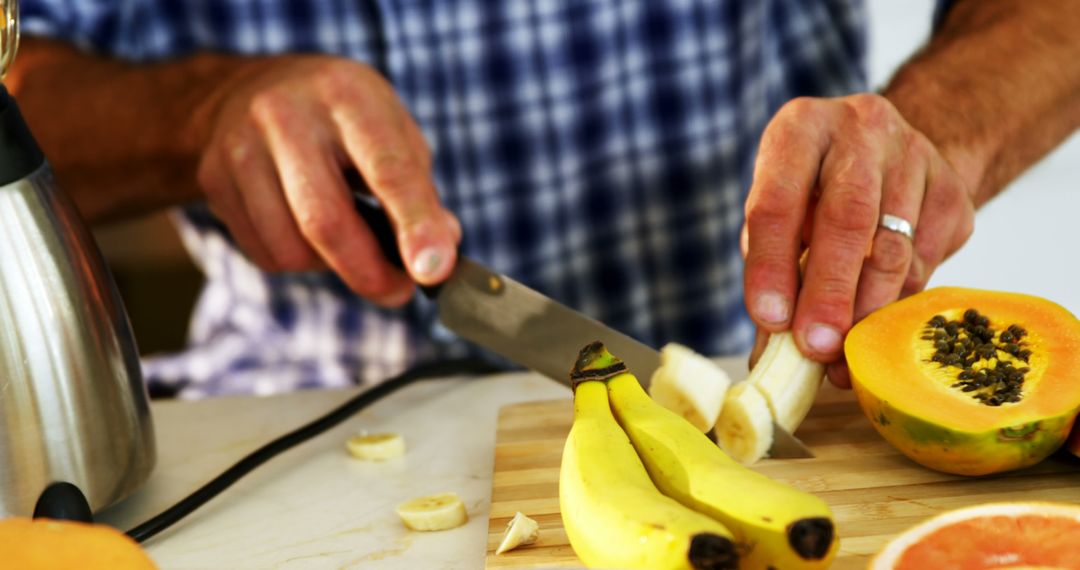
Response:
column 788, row 380
column 520, row 531
column 744, row 430
column 690, row 385
column 434, row 512
column 376, row 446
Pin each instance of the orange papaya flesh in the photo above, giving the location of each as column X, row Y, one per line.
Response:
column 963, row 399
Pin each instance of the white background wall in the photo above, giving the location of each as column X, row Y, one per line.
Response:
column 1028, row 238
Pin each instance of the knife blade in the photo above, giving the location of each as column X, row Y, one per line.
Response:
column 525, row 326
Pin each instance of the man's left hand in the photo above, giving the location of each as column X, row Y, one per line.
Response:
column 827, row 171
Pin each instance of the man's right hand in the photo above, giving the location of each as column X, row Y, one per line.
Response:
column 282, row 133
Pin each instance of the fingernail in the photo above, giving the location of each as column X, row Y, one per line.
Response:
column 823, row 339
column 430, row 262
column 771, row 307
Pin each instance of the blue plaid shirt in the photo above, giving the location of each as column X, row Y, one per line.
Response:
column 597, row 150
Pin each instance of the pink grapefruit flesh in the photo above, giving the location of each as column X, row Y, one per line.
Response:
column 994, row 535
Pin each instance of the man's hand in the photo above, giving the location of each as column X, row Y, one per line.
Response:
column 280, row 139
column 827, row 170
column 995, row 89
column 265, row 140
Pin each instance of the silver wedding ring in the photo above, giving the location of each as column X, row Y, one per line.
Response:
column 898, row 225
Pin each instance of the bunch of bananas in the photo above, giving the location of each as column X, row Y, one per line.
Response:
column 641, row 487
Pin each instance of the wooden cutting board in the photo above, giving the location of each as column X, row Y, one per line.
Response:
column 873, row 490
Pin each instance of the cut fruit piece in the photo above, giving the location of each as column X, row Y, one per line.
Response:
column 968, row 381
column 788, row 380
column 745, row 430
column 434, row 512
column 376, row 446
column 992, row 535
column 690, row 385
column 520, row 531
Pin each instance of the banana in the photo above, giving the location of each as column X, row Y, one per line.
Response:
column 520, row 531
column 613, row 514
column 788, row 380
column 745, row 429
column 690, row 385
column 376, row 446
column 776, row 526
column 434, row 512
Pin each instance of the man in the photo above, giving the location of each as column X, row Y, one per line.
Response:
column 599, row 151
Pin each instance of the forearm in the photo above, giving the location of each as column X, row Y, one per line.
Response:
column 996, row 88
column 123, row 139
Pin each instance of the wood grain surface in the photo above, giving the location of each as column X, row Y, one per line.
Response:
column 873, row 490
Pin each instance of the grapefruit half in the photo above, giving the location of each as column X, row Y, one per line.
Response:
column 43, row 544
column 992, row 535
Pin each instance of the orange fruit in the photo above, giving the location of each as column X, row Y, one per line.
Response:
column 43, row 544
column 992, row 535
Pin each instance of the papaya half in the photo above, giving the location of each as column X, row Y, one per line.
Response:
column 968, row 381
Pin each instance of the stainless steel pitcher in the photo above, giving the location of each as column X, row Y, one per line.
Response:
column 73, row 406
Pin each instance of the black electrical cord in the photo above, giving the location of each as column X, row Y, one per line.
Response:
column 185, row 506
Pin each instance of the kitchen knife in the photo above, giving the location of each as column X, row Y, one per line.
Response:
column 525, row 326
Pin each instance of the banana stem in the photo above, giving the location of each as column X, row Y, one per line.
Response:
column 594, row 362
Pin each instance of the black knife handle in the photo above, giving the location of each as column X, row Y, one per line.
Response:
column 379, row 223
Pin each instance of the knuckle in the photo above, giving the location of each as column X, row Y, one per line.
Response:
column 871, row 111
column 938, row 197
column 798, row 108
column 851, row 208
column 763, row 221
column 268, row 106
column 917, row 145
column 337, row 82
column 945, row 194
column 237, row 149
column 342, row 82
column 390, row 172
column 770, row 203
column 915, row 283
column 833, row 298
column 891, row 253
column 768, row 268
column 320, row 226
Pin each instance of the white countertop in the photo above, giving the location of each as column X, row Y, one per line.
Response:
column 315, row 506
